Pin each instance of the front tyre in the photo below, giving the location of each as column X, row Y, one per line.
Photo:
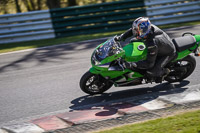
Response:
column 181, row 69
column 94, row 84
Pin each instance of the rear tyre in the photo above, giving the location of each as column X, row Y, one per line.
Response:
column 94, row 84
column 181, row 69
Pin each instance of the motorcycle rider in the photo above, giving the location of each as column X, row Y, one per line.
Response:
column 160, row 49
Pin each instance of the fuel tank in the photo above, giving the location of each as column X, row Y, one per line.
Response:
column 135, row 51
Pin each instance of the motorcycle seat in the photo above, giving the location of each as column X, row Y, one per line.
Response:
column 183, row 43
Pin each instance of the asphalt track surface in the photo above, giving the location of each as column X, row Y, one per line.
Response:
column 41, row 81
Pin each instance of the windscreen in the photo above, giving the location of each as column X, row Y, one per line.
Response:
column 109, row 48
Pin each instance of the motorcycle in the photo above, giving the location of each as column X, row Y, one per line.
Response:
column 108, row 70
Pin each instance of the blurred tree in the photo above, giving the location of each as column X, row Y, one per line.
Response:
column 29, row 4
column 3, row 4
column 39, row 4
column 14, row 6
column 53, row 3
column 72, row 3
column 18, row 9
column 32, row 5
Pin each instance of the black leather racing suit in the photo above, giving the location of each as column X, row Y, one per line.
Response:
column 160, row 50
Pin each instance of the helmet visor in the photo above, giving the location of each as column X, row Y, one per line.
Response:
column 143, row 29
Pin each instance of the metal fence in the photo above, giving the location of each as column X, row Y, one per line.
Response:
column 163, row 12
column 26, row 26
column 96, row 18
column 105, row 17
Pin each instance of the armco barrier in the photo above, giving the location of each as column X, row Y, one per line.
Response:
column 26, row 26
column 163, row 12
column 97, row 18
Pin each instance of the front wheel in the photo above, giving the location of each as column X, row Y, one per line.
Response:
column 94, row 84
column 181, row 69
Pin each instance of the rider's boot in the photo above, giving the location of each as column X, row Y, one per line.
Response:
column 159, row 75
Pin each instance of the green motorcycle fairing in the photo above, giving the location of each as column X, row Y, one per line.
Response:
column 132, row 52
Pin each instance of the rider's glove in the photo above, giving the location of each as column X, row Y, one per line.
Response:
column 129, row 65
column 117, row 38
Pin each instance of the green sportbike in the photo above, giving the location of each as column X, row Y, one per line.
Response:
column 107, row 69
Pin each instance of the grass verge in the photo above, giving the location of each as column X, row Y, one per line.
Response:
column 184, row 123
column 49, row 42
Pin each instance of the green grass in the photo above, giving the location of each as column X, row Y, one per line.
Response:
column 48, row 42
column 185, row 123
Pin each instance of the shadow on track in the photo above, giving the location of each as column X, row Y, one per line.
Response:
column 142, row 95
column 54, row 54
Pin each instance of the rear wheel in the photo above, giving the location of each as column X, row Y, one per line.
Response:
column 181, row 69
column 94, row 84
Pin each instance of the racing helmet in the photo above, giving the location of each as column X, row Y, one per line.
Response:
column 142, row 26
